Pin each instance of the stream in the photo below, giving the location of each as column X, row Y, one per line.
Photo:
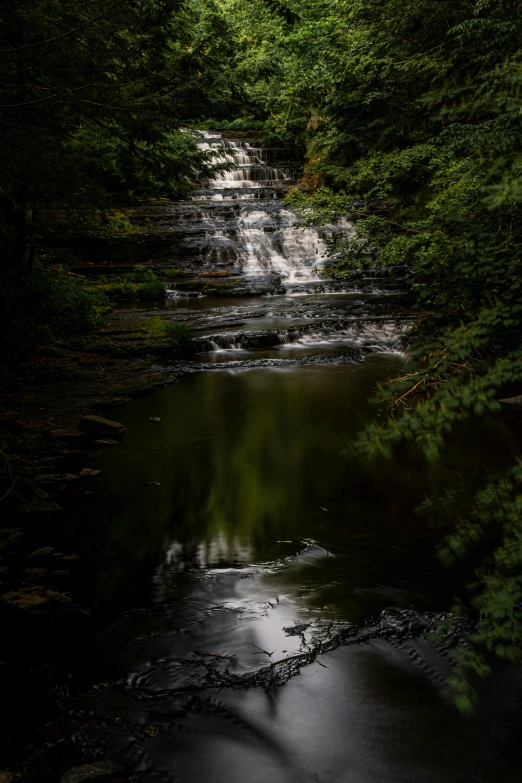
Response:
column 238, row 548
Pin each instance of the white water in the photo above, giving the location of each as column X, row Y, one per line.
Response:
column 264, row 237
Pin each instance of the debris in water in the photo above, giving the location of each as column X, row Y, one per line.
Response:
column 296, row 630
column 151, row 484
column 323, row 508
column 261, row 652
column 154, row 420
column 151, row 731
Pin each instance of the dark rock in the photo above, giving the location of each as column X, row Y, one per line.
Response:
column 36, row 600
column 97, row 425
column 45, row 551
column 34, row 573
column 94, row 771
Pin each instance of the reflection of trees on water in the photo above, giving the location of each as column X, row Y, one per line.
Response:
column 244, row 456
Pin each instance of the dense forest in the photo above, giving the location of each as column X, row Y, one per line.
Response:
column 408, row 118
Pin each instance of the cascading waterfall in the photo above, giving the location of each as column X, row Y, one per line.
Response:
column 257, row 239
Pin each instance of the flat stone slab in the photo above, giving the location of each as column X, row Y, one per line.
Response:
column 68, row 435
column 97, row 425
column 513, row 403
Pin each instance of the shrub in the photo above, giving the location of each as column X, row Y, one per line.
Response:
column 153, row 290
column 178, row 335
column 141, row 274
column 68, row 305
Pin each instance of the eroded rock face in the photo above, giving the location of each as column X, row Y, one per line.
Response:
column 98, row 426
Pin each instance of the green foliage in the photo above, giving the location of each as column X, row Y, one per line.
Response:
column 153, row 290
column 141, row 274
column 67, row 305
column 179, row 335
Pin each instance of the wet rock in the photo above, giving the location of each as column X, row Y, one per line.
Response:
column 95, row 771
column 34, row 573
column 513, row 403
column 106, row 442
column 44, row 551
column 48, row 478
column 89, row 472
column 67, row 558
column 67, row 435
column 97, row 425
column 36, row 600
column 116, row 401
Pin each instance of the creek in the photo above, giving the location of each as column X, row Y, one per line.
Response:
column 240, row 531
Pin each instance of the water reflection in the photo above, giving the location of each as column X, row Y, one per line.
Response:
column 264, row 535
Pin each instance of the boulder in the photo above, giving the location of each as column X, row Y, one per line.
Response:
column 98, row 426
column 94, row 771
column 6, row 776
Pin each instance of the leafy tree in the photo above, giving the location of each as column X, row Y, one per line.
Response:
column 93, row 102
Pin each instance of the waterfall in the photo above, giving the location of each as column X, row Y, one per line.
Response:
column 247, row 228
